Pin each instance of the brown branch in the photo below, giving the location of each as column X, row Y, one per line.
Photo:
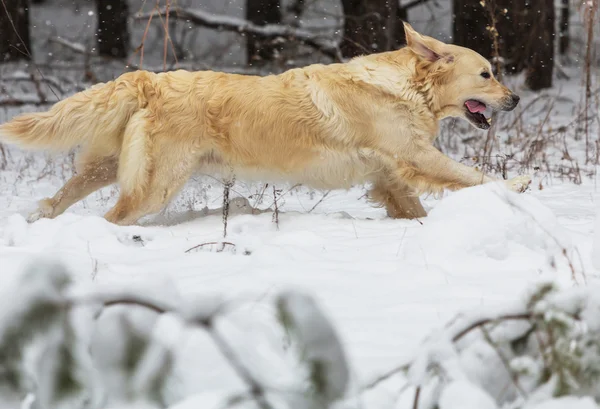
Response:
column 167, row 36
column 17, row 78
column 404, row 367
column 224, row 243
column 592, row 7
column 18, row 102
column 241, row 26
column 387, row 375
column 276, row 214
column 477, row 324
column 416, row 399
column 139, row 303
column 140, row 48
column 38, row 88
column 226, row 190
column 505, row 361
column 257, row 390
column 320, row 201
column 4, row 157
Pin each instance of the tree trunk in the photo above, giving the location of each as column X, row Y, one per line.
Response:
column 525, row 34
column 15, row 42
column 400, row 37
column 564, row 38
column 112, row 30
column 541, row 67
column 469, row 28
column 369, row 26
column 262, row 12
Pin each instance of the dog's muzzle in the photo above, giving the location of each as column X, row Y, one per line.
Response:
column 510, row 102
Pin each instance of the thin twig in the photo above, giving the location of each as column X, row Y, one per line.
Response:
column 592, row 6
column 12, row 23
column 14, row 102
column 224, row 243
column 321, row 200
column 276, row 214
column 256, row 389
column 416, row 398
column 405, row 366
column 226, row 188
column 170, row 40
column 166, row 39
column 484, row 321
column 387, row 375
column 504, row 360
column 141, row 46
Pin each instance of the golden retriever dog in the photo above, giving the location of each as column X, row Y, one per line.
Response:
column 370, row 120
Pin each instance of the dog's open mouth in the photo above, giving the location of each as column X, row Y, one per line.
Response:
column 474, row 112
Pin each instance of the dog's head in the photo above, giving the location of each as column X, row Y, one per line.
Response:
column 462, row 80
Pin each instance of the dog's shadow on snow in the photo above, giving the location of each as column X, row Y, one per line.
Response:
column 237, row 206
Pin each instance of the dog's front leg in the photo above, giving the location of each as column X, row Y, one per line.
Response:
column 429, row 170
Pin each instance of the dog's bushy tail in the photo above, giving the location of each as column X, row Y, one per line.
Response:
column 101, row 111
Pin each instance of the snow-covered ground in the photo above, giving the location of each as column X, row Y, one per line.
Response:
column 385, row 284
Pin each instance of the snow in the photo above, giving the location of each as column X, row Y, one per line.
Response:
column 596, row 246
column 462, row 395
column 384, row 283
column 319, row 344
column 567, row 402
column 490, row 223
column 388, row 286
column 396, row 292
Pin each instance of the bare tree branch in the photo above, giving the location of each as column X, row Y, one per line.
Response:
column 455, row 338
column 241, row 26
column 411, row 4
column 19, row 102
column 132, row 298
column 71, row 45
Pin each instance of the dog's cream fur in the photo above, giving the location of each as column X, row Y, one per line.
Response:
column 372, row 119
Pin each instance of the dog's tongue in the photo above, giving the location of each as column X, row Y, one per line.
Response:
column 475, row 106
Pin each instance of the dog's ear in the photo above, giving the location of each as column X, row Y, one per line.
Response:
column 421, row 45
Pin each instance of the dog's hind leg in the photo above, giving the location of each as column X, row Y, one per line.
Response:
column 93, row 175
column 168, row 169
column 130, row 208
column 400, row 201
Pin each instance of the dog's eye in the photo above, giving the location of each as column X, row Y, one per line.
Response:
column 486, row 75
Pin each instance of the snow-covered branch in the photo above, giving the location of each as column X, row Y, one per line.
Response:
column 71, row 45
column 228, row 23
column 540, row 348
column 24, row 101
column 118, row 362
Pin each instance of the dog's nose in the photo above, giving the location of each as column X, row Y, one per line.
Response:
column 515, row 99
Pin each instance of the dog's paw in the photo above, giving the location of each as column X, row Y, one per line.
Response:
column 45, row 210
column 519, row 184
